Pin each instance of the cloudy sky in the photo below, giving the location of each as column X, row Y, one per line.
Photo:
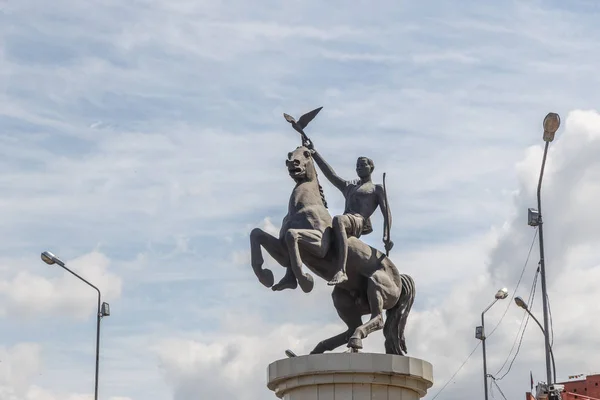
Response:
column 142, row 140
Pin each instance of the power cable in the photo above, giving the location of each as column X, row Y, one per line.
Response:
column 551, row 324
column 518, row 283
column 522, row 333
column 518, row 348
column 457, row 371
column 498, row 387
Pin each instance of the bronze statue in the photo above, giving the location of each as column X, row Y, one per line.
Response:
column 373, row 282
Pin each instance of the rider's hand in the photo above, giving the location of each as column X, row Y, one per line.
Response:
column 309, row 145
column 388, row 244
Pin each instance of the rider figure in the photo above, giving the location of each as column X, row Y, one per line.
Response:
column 362, row 199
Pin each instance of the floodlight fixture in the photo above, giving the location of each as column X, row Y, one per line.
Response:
column 479, row 332
column 533, row 217
column 105, row 310
column 502, row 294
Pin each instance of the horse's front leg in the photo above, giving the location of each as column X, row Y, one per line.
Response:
column 311, row 240
column 274, row 247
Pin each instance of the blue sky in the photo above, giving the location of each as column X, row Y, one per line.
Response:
column 141, row 141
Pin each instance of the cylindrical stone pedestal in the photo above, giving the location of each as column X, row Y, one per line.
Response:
column 350, row 376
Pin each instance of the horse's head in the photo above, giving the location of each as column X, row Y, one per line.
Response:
column 300, row 165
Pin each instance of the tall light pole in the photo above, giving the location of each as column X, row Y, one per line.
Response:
column 103, row 309
column 480, row 334
column 551, row 125
column 521, row 303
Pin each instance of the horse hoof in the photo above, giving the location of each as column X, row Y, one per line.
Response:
column 307, row 284
column 266, row 277
column 319, row 349
column 355, row 343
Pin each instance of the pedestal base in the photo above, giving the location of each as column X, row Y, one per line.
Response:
column 356, row 376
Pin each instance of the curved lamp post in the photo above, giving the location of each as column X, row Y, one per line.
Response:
column 551, row 124
column 480, row 334
column 521, row 303
column 103, row 308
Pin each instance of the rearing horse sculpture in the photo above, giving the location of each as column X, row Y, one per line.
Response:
column 374, row 283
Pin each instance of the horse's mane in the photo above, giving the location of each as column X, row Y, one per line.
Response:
column 320, row 188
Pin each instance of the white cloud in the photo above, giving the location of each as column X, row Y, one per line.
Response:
column 26, row 293
column 234, row 364
column 19, row 365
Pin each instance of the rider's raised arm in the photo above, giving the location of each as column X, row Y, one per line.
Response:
column 329, row 172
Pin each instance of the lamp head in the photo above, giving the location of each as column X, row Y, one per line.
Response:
column 51, row 259
column 551, row 125
column 521, row 303
column 502, row 294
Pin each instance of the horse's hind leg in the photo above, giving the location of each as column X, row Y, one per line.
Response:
column 349, row 312
column 378, row 294
column 275, row 248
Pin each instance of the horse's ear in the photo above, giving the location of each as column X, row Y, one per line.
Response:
column 306, row 153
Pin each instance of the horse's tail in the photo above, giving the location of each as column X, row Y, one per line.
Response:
column 395, row 322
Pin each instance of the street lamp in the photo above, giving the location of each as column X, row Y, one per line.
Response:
column 103, row 308
column 521, row 303
column 480, row 334
column 551, row 124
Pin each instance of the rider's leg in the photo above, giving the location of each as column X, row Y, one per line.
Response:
column 341, row 225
